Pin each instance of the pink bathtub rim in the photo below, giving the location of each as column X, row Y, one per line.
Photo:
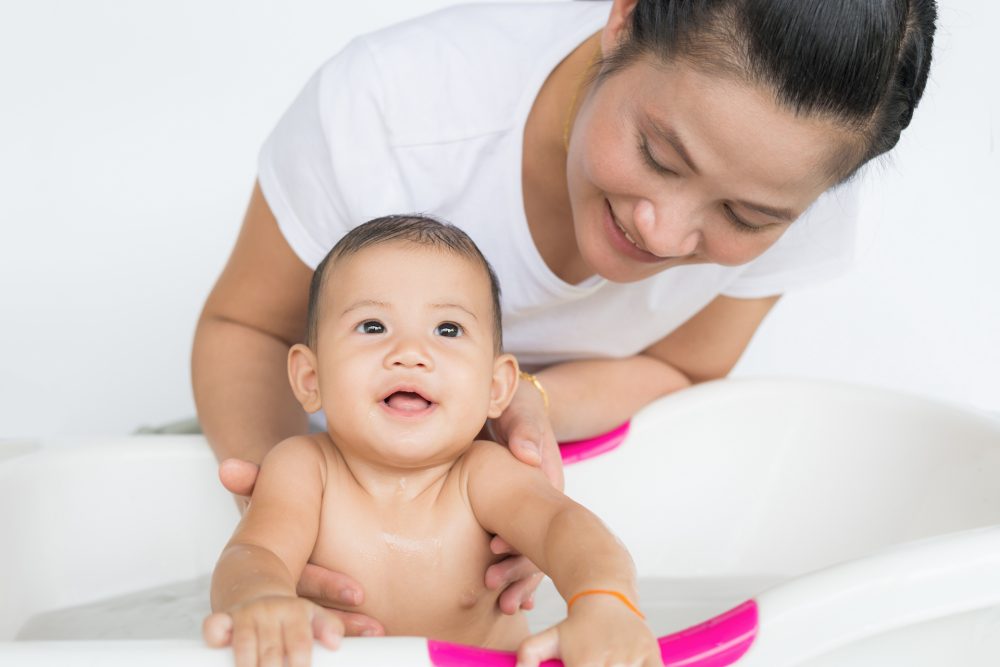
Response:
column 717, row 642
column 581, row 450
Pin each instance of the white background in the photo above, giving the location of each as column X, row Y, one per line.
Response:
column 128, row 140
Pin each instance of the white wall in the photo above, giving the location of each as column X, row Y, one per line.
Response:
column 128, row 137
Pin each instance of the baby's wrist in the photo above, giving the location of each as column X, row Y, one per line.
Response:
column 606, row 598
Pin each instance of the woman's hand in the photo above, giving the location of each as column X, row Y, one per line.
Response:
column 322, row 586
column 525, row 429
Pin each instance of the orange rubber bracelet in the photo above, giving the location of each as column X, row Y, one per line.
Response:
column 602, row 591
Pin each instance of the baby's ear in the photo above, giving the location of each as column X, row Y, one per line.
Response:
column 304, row 378
column 504, row 384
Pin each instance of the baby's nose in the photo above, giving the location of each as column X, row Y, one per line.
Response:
column 409, row 352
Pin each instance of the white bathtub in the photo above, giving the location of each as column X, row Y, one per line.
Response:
column 872, row 520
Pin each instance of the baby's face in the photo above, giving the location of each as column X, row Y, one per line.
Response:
column 405, row 353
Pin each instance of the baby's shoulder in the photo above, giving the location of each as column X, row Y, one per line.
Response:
column 488, row 458
column 485, row 451
column 312, row 451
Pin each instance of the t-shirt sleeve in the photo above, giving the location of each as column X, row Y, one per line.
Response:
column 818, row 246
column 323, row 144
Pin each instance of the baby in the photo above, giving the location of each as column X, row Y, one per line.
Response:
column 404, row 357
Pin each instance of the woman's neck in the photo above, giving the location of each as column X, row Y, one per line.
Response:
column 543, row 168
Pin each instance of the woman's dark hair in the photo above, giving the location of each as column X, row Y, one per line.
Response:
column 863, row 63
column 419, row 229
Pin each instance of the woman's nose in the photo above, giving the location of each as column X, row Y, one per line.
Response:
column 668, row 228
column 408, row 351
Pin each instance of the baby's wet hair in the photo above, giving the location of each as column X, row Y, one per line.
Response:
column 419, row 229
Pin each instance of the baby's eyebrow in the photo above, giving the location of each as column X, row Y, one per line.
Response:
column 454, row 305
column 365, row 303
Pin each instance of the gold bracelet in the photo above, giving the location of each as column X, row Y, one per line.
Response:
column 538, row 385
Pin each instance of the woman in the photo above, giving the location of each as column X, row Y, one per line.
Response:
column 647, row 177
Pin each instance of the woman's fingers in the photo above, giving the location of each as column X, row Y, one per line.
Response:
column 218, row 630
column 500, row 547
column 507, row 571
column 321, row 584
column 536, row 445
column 524, row 444
column 327, row 588
column 238, row 476
column 552, row 464
column 519, row 578
column 538, row 648
column 520, row 594
column 359, row 625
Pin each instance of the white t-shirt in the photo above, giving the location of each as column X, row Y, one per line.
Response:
column 428, row 117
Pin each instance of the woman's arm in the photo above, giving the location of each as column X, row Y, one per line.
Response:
column 255, row 312
column 593, row 396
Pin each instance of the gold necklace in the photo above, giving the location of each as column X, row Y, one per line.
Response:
column 568, row 123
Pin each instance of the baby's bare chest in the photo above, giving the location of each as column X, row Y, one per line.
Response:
column 422, row 567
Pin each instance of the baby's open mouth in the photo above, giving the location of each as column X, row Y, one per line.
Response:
column 406, row 401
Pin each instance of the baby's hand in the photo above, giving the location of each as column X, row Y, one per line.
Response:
column 265, row 630
column 600, row 630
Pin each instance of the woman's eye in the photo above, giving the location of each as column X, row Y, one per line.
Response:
column 370, row 327
column 647, row 157
column 448, row 329
column 740, row 224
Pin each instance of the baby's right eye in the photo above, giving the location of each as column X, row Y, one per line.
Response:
column 370, row 327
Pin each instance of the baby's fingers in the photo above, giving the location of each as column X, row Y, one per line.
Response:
column 270, row 652
column 327, row 627
column 217, row 630
column 298, row 643
column 244, row 640
column 537, row 648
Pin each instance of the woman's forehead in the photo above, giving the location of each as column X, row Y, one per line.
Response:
column 732, row 129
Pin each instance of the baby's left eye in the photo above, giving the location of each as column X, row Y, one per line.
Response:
column 448, row 329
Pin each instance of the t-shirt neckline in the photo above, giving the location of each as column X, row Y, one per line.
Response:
column 536, row 263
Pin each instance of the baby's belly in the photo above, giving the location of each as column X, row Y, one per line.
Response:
column 433, row 591
column 463, row 617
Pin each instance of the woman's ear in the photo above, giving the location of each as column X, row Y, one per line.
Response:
column 504, row 384
column 617, row 26
column 304, row 377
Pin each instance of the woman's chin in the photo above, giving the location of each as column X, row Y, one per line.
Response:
column 618, row 269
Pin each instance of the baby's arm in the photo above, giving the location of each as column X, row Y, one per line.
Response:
column 253, row 586
column 572, row 546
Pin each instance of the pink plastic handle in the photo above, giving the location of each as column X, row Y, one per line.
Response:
column 717, row 642
column 579, row 450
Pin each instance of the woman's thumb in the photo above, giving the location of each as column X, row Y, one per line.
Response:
column 524, row 444
column 238, row 476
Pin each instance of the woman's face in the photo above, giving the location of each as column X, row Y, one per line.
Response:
column 668, row 165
